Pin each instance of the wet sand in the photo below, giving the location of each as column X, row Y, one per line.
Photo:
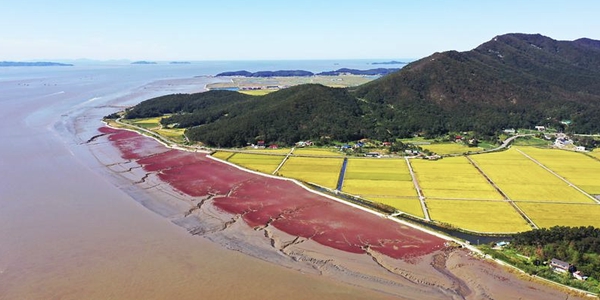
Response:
column 277, row 221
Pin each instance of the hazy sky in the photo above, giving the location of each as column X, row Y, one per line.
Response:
column 268, row 29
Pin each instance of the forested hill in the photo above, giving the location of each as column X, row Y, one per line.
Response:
column 228, row 119
column 514, row 80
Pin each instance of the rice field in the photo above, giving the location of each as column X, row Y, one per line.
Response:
column 456, row 193
column 556, row 214
column 224, row 155
column 595, row 153
column 575, row 167
column 257, row 162
column 148, row 123
column 280, row 151
column 479, row 216
column 523, row 180
column 450, row 148
column 318, row 152
column 452, row 178
column 386, row 181
column 410, row 206
column 322, row 171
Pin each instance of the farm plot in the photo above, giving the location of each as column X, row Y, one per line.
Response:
column 386, row 181
column 318, row 152
column 148, row 123
column 558, row 214
column 322, row 171
column 577, row 168
column 595, row 153
column 478, row 216
column 258, row 162
column 269, row 151
column 378, row 178
column 450, row 148
column 523, row 180
column 452, row 178
column 224, row 155
column 408, row 205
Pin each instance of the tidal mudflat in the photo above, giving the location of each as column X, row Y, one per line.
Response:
column 280, row 222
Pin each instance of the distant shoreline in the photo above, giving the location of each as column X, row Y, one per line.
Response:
column 32, row 64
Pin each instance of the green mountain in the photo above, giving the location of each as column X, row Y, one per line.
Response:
column 514, row 80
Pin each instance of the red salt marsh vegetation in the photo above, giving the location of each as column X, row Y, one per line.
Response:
column 264, row 201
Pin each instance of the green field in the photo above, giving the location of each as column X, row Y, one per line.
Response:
column 523, row 180
column 321, row 171
column 280, row 151
column 256, row 92
column 258, row 162
column 450, row 148
column 479, row 216
column 311, row 151
column 452, row 177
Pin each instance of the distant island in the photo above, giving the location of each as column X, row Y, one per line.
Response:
column 392, row 62
column 180, row 63
column 32, row 64
column 143, row 62
column 302, row 73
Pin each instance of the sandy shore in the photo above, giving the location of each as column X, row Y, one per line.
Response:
column 441, row 273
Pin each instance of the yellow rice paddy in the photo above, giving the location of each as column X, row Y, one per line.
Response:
column 452, row 178
column 577, row 168
column 479, row 216
column 408, row 205
column 322, row 171
column 258, row 162
column 222, row 155
column 556, row 214
column 523, row 180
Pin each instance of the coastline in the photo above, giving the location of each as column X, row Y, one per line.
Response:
column 370, row 270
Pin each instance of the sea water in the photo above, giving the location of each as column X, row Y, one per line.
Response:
column 67, row 231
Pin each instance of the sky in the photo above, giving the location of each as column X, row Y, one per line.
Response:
column 276, row 30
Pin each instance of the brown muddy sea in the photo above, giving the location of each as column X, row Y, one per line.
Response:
column 71, row 230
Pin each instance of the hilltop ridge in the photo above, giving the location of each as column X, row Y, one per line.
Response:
column 511, row 81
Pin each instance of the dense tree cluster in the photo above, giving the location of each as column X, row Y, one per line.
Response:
column 579, row 246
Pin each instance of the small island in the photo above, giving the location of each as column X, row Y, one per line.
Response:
column 143, row 62
column 180, row 63
column 32, row 64
column 392, row 62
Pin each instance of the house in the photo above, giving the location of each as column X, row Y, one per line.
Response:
column 510, row 131
column 260, row 144
column 540, row 128
column 373, row 154
column 502, row 244
column 559, row 266
column 580, row 148
column 304, row 143
column 274, row 146
column 387, row 144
